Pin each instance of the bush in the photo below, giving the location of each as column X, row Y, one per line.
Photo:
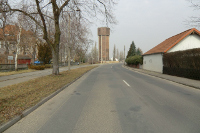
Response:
column 38, row 67
column 48, row 66
column 134, row 60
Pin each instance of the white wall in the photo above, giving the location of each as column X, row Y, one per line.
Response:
column 153, row 62
column 189, row 42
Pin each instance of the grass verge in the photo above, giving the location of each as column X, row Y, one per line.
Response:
column 15, row 72
column 16, row 98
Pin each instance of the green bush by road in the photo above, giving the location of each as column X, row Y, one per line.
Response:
column 134, row 60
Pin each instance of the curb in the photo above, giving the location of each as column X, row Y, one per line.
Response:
column 31, row 109
column 195, row 87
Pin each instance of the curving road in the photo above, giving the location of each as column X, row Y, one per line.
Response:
column 112, row 99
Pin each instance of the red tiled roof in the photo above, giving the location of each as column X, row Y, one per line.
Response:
column 171, row 42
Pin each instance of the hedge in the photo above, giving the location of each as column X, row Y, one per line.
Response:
column 38, row 67
column 183, row 59
column 134, row 60
column 183, row 63
column 182, row 72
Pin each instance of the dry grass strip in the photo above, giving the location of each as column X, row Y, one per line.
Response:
column 16, row 98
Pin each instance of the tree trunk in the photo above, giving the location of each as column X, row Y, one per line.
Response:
column 55, row 53
column 18, row 42
column 33, row 54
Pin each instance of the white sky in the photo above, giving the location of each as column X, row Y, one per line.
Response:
column 147, row 22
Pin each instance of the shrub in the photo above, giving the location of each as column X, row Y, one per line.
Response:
column 48, row 66
column 134, row 60
column 38, row 67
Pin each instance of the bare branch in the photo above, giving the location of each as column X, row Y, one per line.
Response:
column 64, row 4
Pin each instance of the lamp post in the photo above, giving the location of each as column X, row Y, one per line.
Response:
column 124, row 54
column 68, row 42
column 69, row 58
column 92, row 54
column 101, row 49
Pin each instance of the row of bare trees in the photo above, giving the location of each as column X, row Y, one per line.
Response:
column 92, row 56
column 60, row 22
column 117, row 55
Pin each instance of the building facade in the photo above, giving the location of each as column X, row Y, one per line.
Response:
column 153, row 59
column 8, row 43
column 103, row 34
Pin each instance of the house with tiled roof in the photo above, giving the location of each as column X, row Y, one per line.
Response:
column 8, row 42
column 153, row 59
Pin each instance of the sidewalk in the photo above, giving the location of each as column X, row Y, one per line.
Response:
column 22, row 77
column 180, row 80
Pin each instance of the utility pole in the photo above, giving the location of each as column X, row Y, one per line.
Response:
column 101, row 49
column 124, row 54
column 92, row 54
column 68, row 58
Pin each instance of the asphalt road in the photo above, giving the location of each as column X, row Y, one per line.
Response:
column 112, row 99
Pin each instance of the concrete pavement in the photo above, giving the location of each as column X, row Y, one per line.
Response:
column 180, row 80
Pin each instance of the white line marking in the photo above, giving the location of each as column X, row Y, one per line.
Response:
column 126, row 83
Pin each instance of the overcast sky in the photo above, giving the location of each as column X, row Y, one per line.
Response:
column 147, row 22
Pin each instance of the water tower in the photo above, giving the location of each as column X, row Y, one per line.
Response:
column 103, row 33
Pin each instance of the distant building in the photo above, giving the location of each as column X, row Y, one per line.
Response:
column 114, row 60
column 153, row 59
column 8, row 42
column 104, row 33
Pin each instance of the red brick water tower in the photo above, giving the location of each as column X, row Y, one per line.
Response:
column 103, row 33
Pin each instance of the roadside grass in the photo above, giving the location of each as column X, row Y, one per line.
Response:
column 16, row 98
column 15, row 72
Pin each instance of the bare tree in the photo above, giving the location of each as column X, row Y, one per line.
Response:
column 17, row 51
column 121, row 55
column 3, row 18
column 75, row 40
column 81, row 50
column 55, row 9
column 95, row 53
column 194, row 20
column 117, row 54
